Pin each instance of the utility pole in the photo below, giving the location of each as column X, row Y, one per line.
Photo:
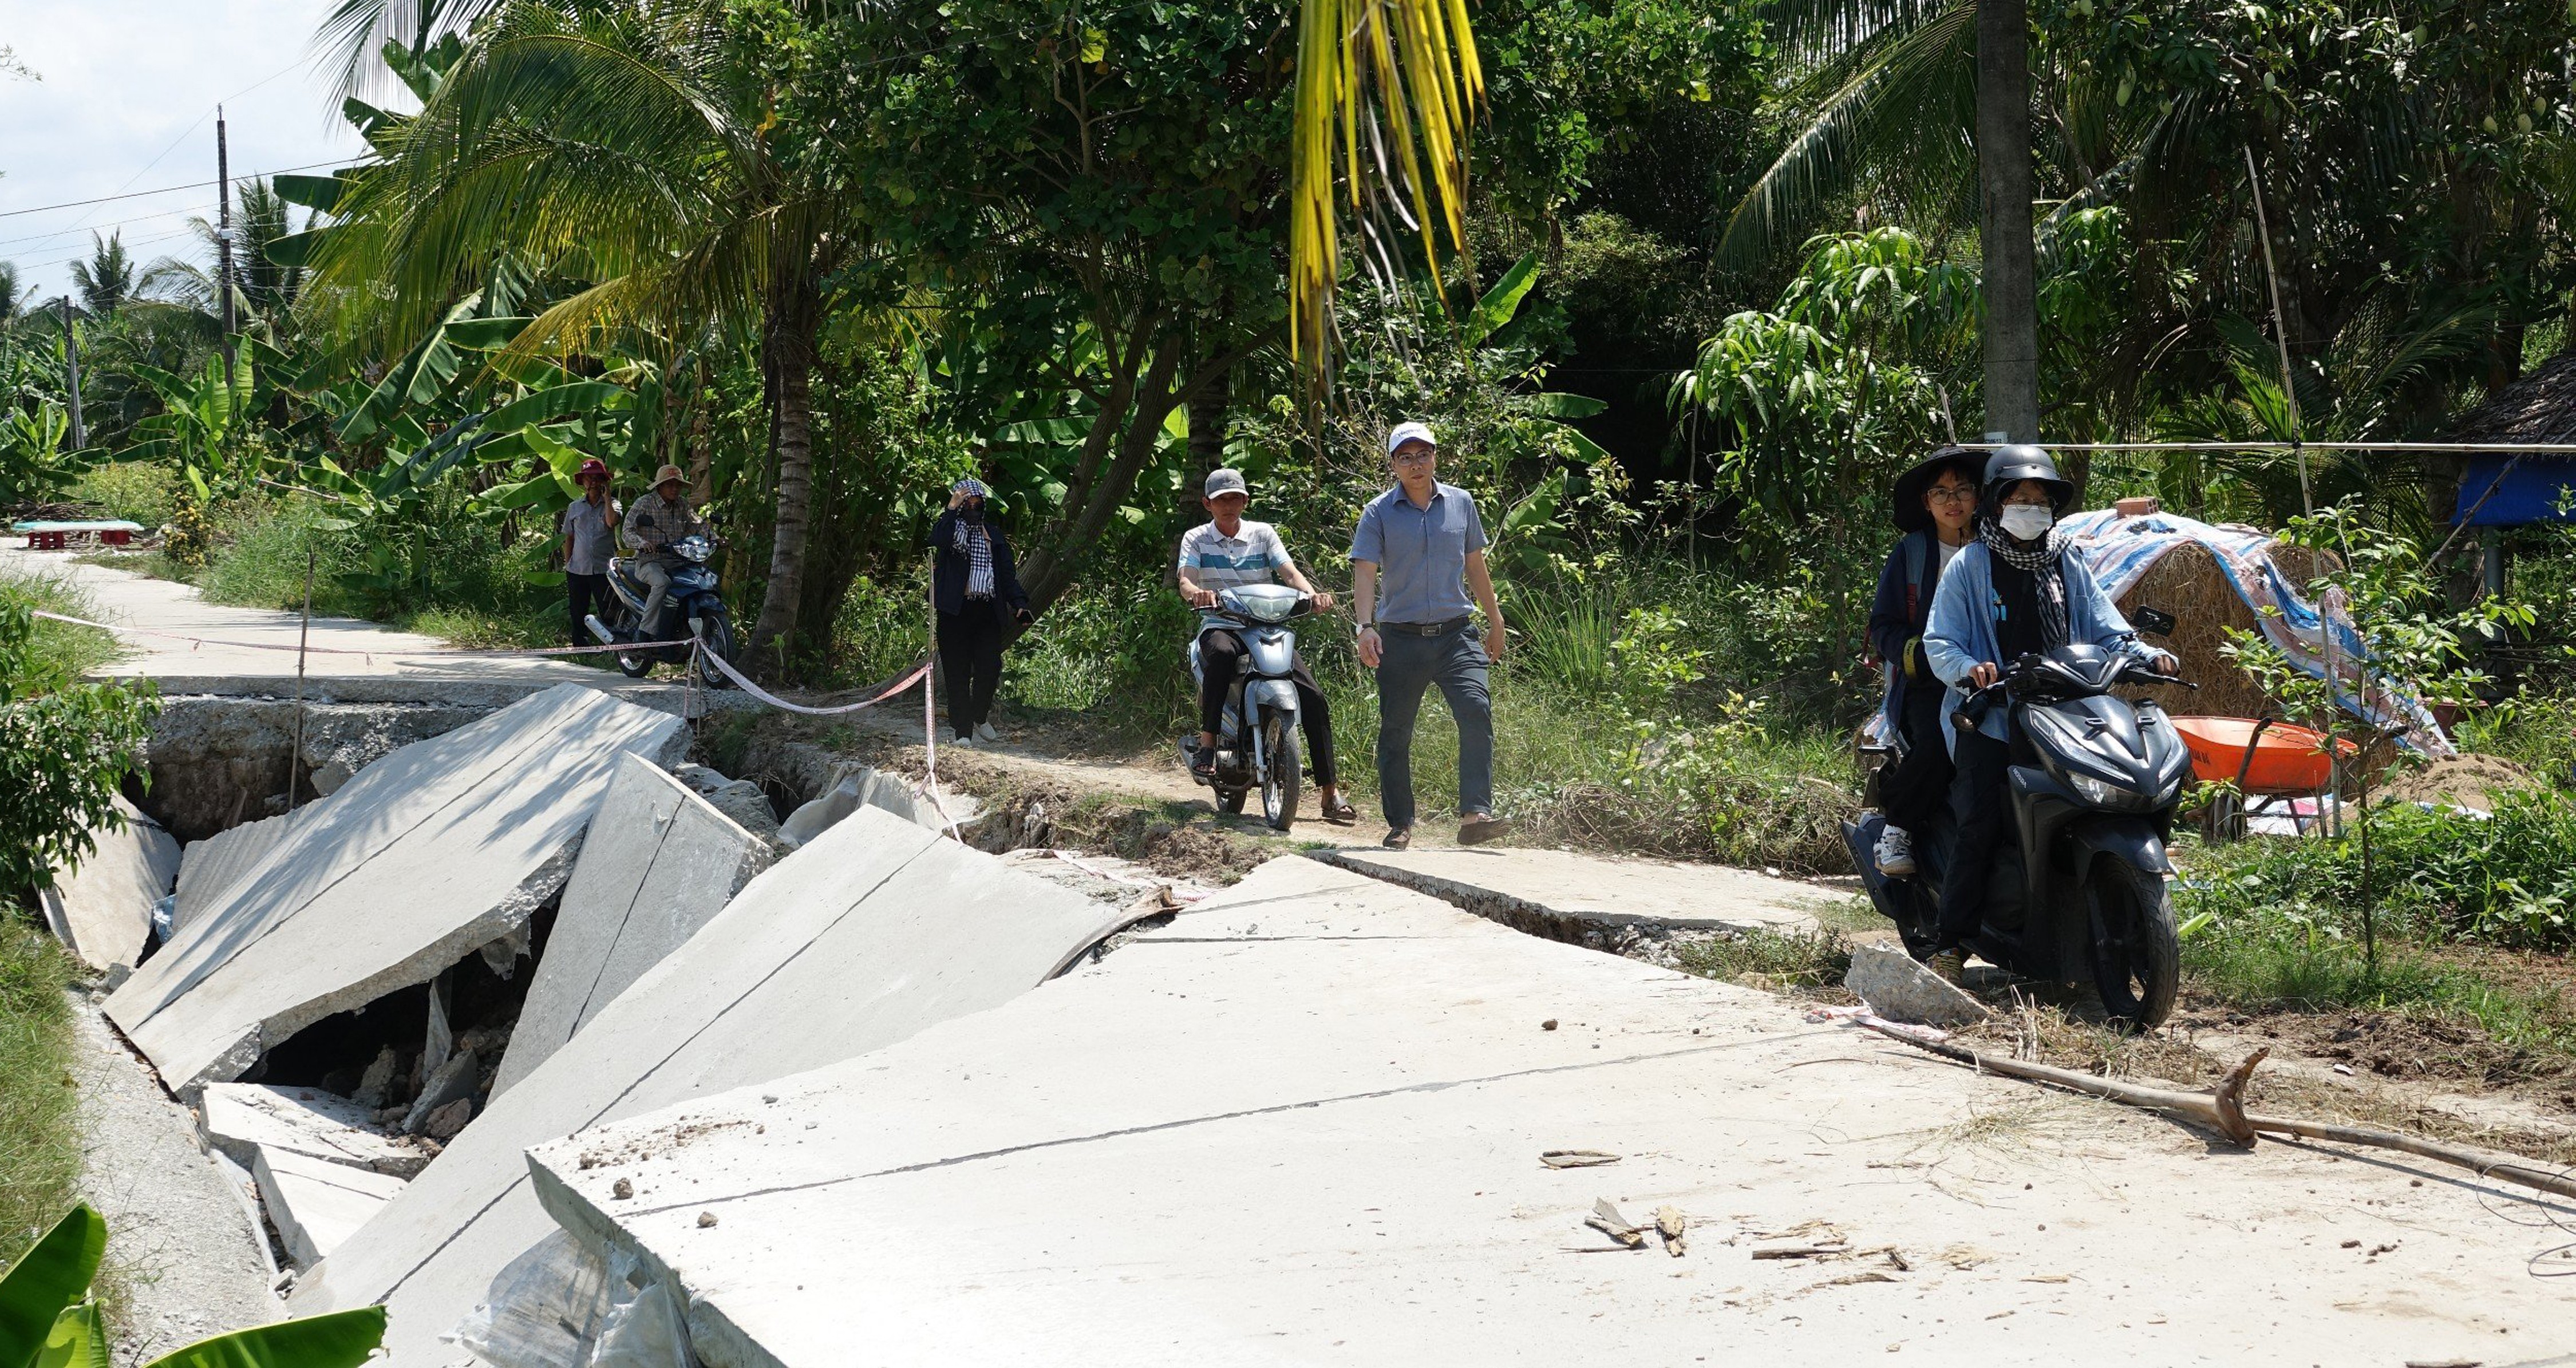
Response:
column 224, row 239
column 71, row 375
column 2005, row 181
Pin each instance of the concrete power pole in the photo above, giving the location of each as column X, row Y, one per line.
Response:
column 224, row 238
column 71, row 375
column 2005, row 179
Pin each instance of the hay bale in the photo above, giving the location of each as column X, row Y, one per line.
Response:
column 2187, row 583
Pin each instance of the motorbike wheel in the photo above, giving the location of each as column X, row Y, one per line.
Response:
column 633, row 665
column 1279, row 785
column 1229, row 799
column 716, row 636
column 2137, row 957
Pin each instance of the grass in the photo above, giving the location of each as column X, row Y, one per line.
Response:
column 39, row 1139
column 1768, row 959
column 63, row 652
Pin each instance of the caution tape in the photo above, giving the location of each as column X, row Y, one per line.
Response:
column 910, row 678
column 357, row 651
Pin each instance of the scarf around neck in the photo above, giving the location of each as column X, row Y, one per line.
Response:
column 2046, row 566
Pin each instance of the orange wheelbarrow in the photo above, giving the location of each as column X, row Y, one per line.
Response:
column 2263, row 756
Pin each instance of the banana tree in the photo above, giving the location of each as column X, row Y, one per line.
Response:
column 199, row 417
column 48, row 1319
column 33, row 464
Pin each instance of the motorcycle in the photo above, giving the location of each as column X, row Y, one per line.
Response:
column 691, row 612
column 2078, row 885
column 1256, row 740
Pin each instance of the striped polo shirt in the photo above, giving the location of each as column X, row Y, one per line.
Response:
column 1253, row 555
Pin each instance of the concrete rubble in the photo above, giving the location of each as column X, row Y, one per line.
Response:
column 210, row 868
column 876, row 930
column 740, row 800
column 859, row 786
column 425, row 856
column 659, row 863
column 1305, row 1122
column 238, row 1119
column 1551, row 892
column 314, row 1203
column 101, row 909
column 1897, row 988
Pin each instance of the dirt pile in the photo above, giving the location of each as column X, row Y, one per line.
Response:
column 2469, row 781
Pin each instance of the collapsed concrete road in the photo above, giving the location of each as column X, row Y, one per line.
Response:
column 213, row 867
column 659, row 863
column 101, row 908
column 876, row 930
column 427, row 855
column 1305, row 1121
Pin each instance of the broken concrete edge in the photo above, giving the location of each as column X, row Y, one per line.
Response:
column 1522, row 914
column 439, row 956
column 1900, row 989
column 713, row 1337
column 490, row 694
column 245, row 1186
column 330, row 1196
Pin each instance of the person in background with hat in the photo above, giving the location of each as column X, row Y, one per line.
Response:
column 657, row 520
column 1217, row 555
column 975, row 584
column 587, row 524
column 2016, row 592
column 1422, row 543
column 1936, row 509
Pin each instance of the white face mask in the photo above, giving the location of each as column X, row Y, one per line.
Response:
column 2027, row 522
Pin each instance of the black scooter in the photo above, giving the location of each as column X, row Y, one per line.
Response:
column 692, row 610
column 2078, row 885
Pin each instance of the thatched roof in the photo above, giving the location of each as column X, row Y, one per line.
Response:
column 2539, row 407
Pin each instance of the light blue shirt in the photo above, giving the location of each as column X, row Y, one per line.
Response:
column 1420, row 553
column 1961, row 634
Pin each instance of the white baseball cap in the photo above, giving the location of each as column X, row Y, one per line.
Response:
column 1410, row 432
column 1225, row 482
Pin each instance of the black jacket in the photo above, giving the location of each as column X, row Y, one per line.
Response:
column 1898, row 615
column 948, row 572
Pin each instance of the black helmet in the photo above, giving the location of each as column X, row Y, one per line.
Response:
column 2010, row 465
column 1909, row 514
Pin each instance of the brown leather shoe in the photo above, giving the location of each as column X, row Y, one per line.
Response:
column 1397, row 838
column 1485, row 829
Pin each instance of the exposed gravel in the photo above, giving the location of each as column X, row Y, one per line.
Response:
column 180, row 1246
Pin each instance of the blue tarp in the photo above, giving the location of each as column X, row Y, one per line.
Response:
column 2534, row 489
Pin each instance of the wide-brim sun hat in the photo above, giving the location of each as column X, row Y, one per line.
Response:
column 669, row 474
column 1909, row 514
column 1410, row 432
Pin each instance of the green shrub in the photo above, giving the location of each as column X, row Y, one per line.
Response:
column 39, row 1135
column 65, row 746
column 138, row 491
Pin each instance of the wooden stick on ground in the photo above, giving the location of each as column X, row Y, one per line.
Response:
column 2223, row 1110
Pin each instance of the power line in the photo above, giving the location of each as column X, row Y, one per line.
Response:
column 103, row 227
column 170, row 189
column 199, row 122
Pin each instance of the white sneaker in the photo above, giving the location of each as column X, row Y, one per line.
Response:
column 1895, row 853
column 984, row 732
column 966, row 742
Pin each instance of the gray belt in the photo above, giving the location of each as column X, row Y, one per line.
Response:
column 1424, row 629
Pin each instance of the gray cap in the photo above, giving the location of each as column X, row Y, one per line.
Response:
column 1225, row 482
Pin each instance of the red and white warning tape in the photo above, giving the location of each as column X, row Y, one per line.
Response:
column 194, row 641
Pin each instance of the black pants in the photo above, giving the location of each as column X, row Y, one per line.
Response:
column 1912, row 791
column 1409, row 664
column 588, row 594
column 970, row 654
column 1980, row 818
column 1221, row 657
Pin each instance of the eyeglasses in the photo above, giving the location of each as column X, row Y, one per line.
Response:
column 1951, row 494
column 1412, row 455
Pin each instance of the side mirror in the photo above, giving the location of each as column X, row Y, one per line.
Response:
column 2154, row 621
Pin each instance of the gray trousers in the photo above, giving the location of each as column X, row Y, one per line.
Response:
column 656, row 577
column 1407, row 665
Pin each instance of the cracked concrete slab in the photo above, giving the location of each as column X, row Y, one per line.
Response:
column 859, row 786
column 314, row 1203
column 237, row 1120
column 876, row 930
column 1303, row 1122
column 101, row 908
column 211, row 868
column 426, row 855
column 1546, row 892
column 660, row 861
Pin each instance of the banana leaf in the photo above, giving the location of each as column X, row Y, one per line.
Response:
column 342, row 1339
column 79, row 1340
column 51, row 1275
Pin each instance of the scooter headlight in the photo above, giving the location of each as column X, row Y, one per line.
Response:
column 2104, row 795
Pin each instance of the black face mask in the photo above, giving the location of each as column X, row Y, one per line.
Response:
column 973, row 513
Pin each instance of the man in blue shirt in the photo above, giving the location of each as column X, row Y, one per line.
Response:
column 1418, row 552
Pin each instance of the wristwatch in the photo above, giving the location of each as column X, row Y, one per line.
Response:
column 1358, row 628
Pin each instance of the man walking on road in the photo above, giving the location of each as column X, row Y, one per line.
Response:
column 586, row 527
column 1424, row 540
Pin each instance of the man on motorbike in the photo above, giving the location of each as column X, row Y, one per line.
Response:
column 1220, row 554
column 2015, row 592
column 657, row 521
column 1936, row 509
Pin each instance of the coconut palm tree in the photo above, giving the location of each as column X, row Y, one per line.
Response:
column 623, row 148
column 105, row 281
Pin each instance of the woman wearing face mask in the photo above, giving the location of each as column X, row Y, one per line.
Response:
column 975, row 584
column 2014, row 593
